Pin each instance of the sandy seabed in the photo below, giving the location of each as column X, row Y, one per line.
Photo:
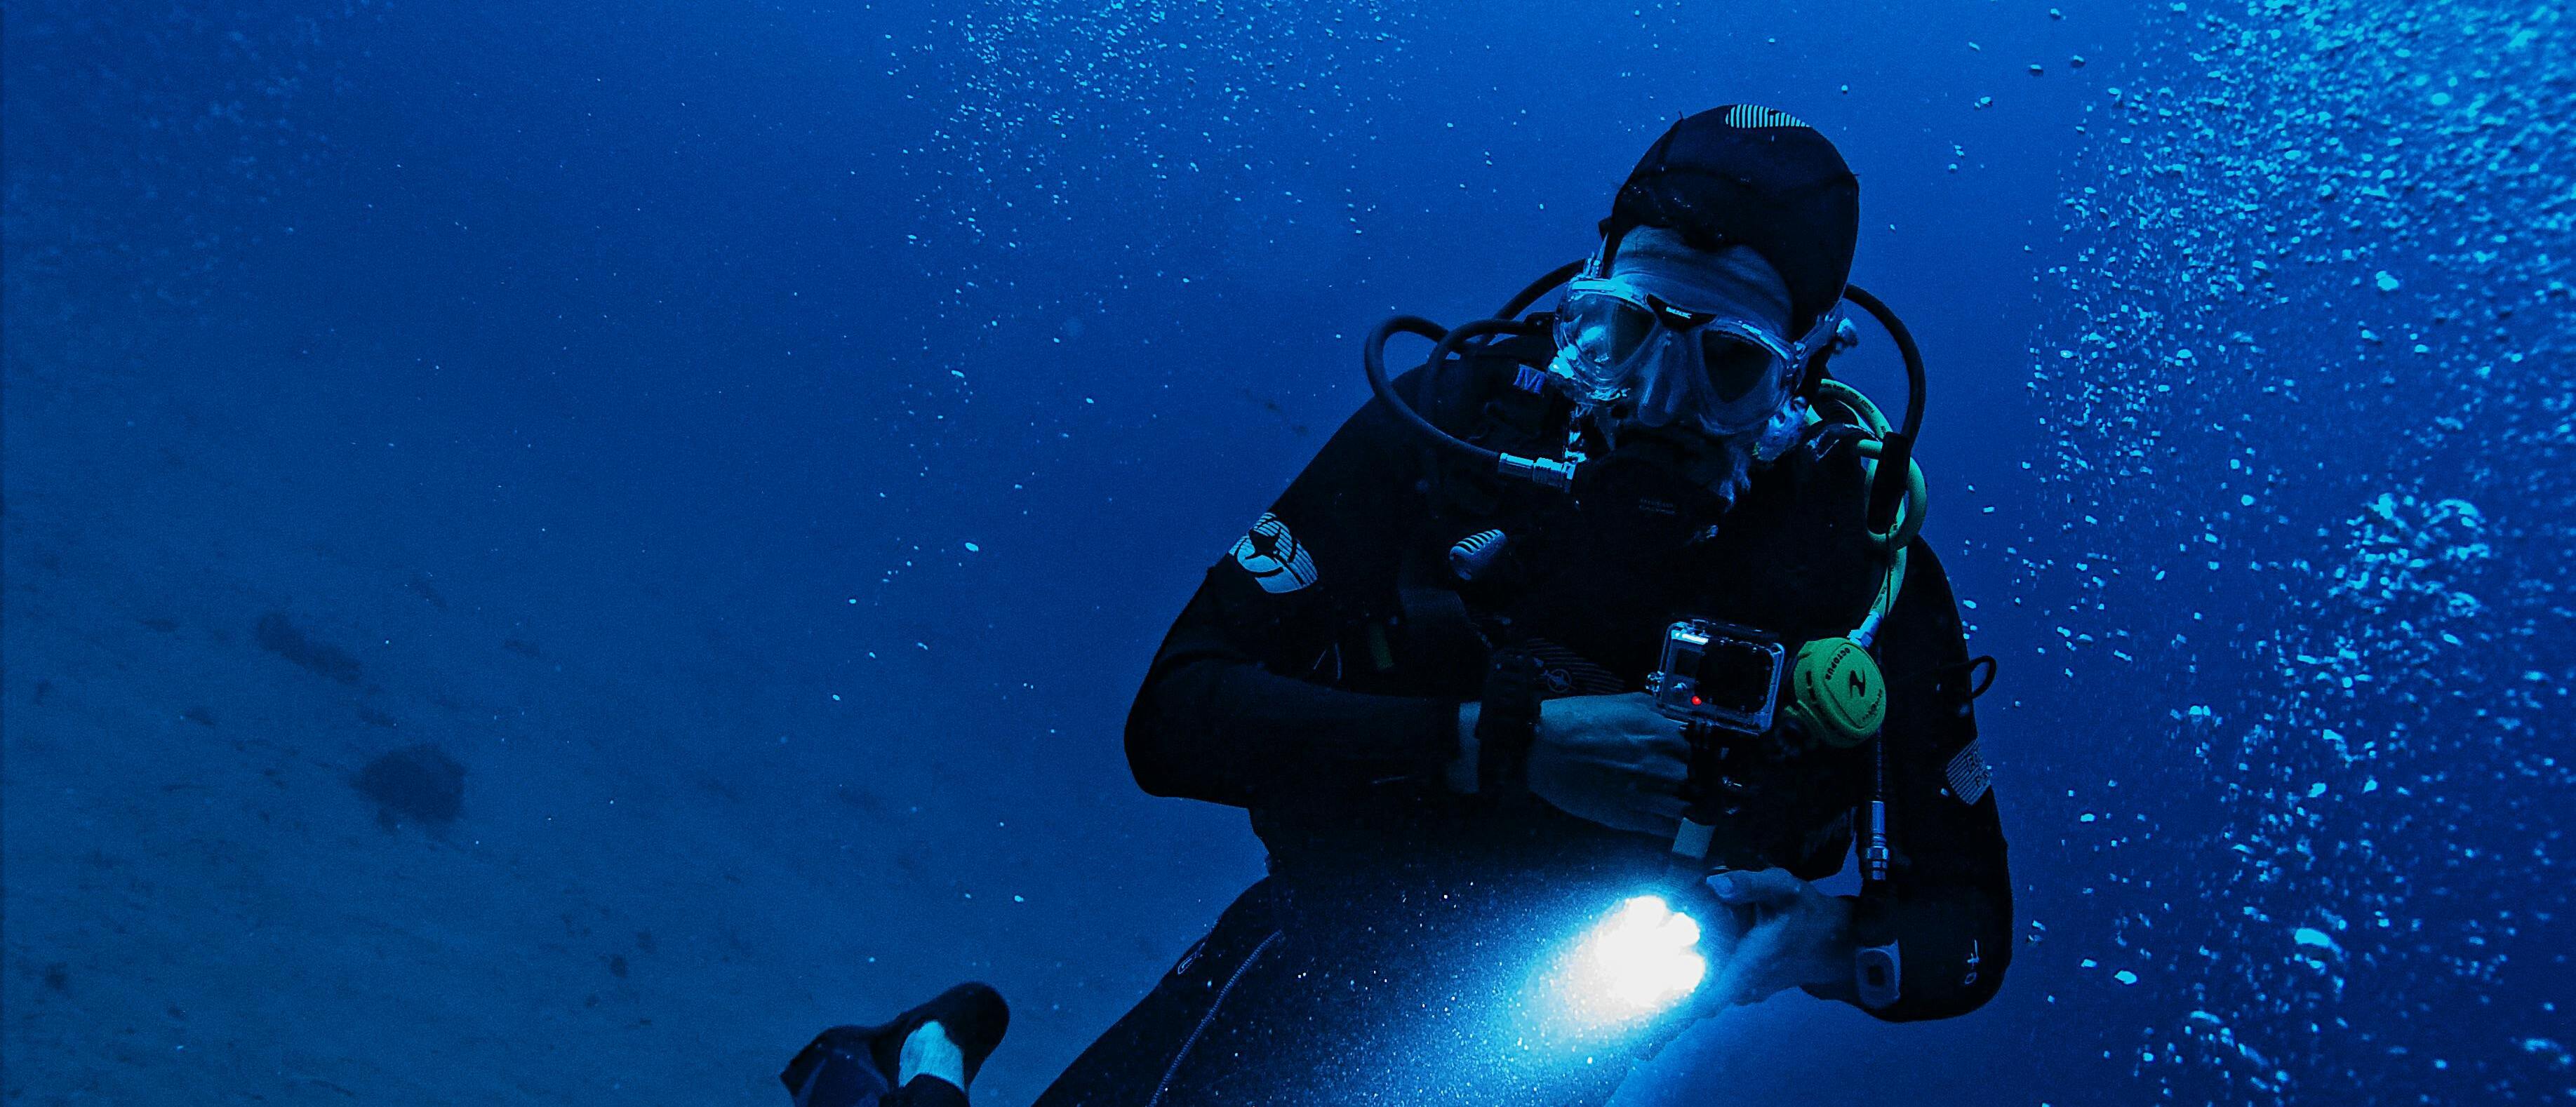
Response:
column 240, row 595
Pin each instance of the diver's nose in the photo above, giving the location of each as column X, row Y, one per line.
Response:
column 1664, row 400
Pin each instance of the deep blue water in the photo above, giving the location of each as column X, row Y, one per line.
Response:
column 761, row 446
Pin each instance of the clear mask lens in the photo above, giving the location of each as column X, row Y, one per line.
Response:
column 1736, row 365
column 1605, row 336
column 1732, row 376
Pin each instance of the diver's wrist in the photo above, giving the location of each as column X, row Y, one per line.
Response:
column 1838, row 975
column 1460, row 772
column 1507, row 716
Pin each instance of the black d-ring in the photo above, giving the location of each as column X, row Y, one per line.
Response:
column 1976, row 686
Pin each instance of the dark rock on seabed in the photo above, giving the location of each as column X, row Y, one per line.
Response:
column 419, row 783
column 279, row 635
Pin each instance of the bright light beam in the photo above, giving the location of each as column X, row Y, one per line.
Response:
column 1641, row 959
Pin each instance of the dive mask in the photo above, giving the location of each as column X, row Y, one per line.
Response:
column 1642, row 340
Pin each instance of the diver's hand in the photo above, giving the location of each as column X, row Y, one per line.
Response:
column 1611, row 760
column 1799, row 937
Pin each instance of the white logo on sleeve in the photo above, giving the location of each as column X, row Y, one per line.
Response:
column 1274, row 557
column 1968, row 776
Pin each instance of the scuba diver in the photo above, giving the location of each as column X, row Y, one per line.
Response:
column 1554, row 683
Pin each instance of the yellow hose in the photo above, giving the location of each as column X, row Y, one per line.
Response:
column 1843, row 403
column 1857, row 410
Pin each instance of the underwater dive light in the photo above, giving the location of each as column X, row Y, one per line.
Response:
column 1643, row 958
column 1725, row 684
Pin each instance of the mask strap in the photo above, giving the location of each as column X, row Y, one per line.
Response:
column 1609, row 252
column 1827, row 339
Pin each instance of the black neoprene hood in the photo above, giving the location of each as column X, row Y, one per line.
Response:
column 1749, row 175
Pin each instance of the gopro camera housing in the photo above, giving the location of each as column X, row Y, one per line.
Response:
column 1720, row 674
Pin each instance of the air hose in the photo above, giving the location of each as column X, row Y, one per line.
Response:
column 1538, row 288
column 1549, row 472
column 1896, row 496
column 1850, row 406
column 1839, row 688
column 1894, row 480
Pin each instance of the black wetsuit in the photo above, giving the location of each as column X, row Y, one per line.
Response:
column 1400, row 949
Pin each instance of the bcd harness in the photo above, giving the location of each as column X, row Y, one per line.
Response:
column 1489, row 378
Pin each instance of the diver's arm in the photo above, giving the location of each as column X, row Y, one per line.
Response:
column 1948, row 905
column 1236, row 702
column 1212, row 723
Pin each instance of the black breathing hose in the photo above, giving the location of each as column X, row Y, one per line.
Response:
column 1555, row 474
column 1373, row 359
column 1480, row 328
column 1895, row 459
column 1887, row 492
column 1540, row 287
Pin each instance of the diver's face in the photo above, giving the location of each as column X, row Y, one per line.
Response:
column 1664, row 402
column 1679, row 342
column 1646, row 431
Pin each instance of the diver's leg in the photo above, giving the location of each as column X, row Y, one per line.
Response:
column 836, row 1070
column 926, row 1056
column 1131, row 1062
column 930, row 1052
column 926, row 1091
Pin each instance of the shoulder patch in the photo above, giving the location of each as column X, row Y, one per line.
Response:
column 1274, row 557
column 1968, row 776
column 1751, row 116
